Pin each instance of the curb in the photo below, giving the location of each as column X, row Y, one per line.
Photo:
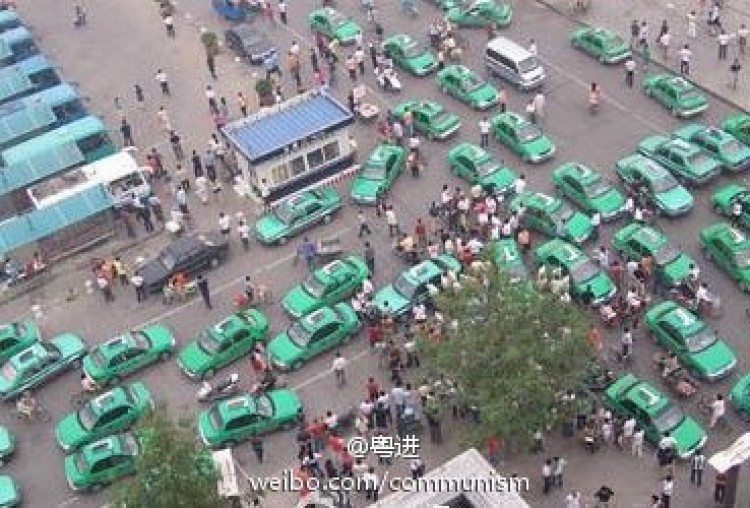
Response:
column 656, row 63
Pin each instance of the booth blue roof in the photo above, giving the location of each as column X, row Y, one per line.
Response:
column 24, row 229
column 267, row 133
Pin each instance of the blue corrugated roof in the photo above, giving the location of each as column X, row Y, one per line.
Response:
column 16, row 79
column 23, row 116
column 28, row 228
column 40, row 167
column 268, row 132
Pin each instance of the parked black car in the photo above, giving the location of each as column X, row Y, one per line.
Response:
column 191, row 254
column 249, row 43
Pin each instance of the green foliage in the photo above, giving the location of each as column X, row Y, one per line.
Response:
column 171, row 468
column 263, row 87
column 210, row 43
column 513, row 352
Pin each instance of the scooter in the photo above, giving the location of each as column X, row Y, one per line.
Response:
column 388, row 80
column 225, row 388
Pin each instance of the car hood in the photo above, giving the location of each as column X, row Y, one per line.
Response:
column 484, row 94
column 499, row 180
column 601, row 287
column 299, row 302
column 578, row 227
column 740, row 394
column 193, row 358
column 70, row 345
column 423, row 63
column 286, row 403
column 347, row 32
column 609, row 203
column 714, row 359
column 695, row 102
column 269, row 227
column 678, row 269
column 450, row 122
column 7, row 442
column 688, row 435
column 284, row 350
column 8, row 491
column 70, row 434
column 153, row 272
column 724, row 196
column 674, row 200
column 540, row 145
column 365, row 188
column 396, row 302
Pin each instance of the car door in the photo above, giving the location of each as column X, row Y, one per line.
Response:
column 575, row 189
column 726, row 258
column 313, row 210
column 227, row 350
column 671, row 337
column 238, row 427
column 463, row 168
column 119, row 466
column 677, row 162
column 101, row 471
column 323, row 338
column 111, row 420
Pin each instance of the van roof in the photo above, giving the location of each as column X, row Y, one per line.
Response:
column 509, row 48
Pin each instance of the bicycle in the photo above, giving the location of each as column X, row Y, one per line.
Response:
column 38, row 414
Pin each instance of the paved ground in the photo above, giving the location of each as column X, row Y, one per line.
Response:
column 125, row 43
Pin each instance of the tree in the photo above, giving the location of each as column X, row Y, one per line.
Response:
column 513, row 353
column 171, row 468
column 264, row 89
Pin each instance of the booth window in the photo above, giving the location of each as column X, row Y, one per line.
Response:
column 331, row 151
column 280, row 173
column 298, row 166
column 315, row 158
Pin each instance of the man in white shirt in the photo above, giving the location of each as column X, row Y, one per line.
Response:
column 338, row 366
column 628, row 430
column 667, row 490
column 723, row 40
column 520, row 184
column 484, row 131
column 692, row 25
column 636, row 447
column 685, row 55
column 367, row 286
column 225, row 224
column 718, row 408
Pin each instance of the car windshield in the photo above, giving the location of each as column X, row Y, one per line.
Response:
column 373, row 171
column 214, row 417
column 413, row 49
column 86, row 417
column 284, row 213
column 140, row 340
column 666, row 254
column 264, row 406
column 314, row 286
column 298, row 334
column 613, row 42
column 583, row 271
column 733, row 146
column 405, row 287
column 209, row 341
column 663, row 184
column 337, row 19
column 527, row 64
column 596, row 188
column 82, row 464
column 168, row 259
column 528, row 133
column 562, row 214
column 742, row 258
column 699, row 159
column 669, row 418
column 471, row 82
column 439, row 117
column 689, row 95
column 700, row 340
column 488, row 167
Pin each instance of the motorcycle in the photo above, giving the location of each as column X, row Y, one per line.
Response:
column 225, row 388
column 388, row 80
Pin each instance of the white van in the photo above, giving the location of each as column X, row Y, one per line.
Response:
column 513, row 63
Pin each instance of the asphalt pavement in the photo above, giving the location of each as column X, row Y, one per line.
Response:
column 125, row 43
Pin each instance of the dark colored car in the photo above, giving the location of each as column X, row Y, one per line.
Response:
column 249, row 43
column 189, row 254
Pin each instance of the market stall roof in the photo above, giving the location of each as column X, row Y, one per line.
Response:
column 25, row 229
column 15, row 80
column 33, row 112
column 273, row 130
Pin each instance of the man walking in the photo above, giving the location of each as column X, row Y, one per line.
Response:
column 161, row 78
column 484, row 131
column 202, row 283
column 140, row 291
column 685, row 55
column 282, row 12
column 392, row 221
column 256, row 443
column 364, row 227
column 629, row 71
column 718, row 408
column 338, row 367
column 127, row 133
column 369, row 255
column 735, row 69
column 308, row 251
column 723, row 40
column 697, row 465
column 692, row 25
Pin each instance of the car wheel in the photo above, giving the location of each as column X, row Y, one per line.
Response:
column 601, row 59
column 296, row 365
column 165, row 356
column 96, row 487
column 327, row 219
column 283, row 240
column 209, row 374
